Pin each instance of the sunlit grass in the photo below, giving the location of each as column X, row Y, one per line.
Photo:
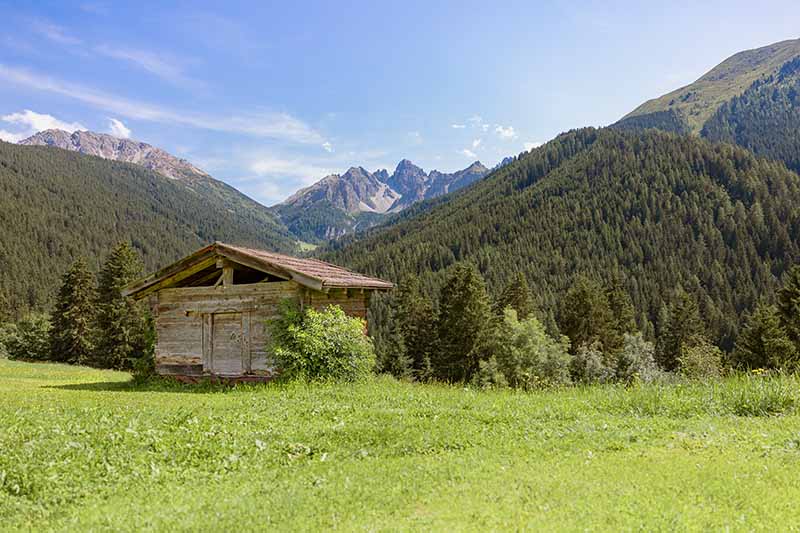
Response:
column 85, row 450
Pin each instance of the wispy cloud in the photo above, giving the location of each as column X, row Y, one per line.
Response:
column 476, row 143
column 468, row 153
column 458, row 126
column 273, row 125
column 118, row 129
column 32, row 122
column 531, row 145
column 55, row 33
column 328, row 147
column 505, row 132
column 158, row 65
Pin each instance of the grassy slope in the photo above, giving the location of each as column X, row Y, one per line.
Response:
column 83, row 450
column 696, row 102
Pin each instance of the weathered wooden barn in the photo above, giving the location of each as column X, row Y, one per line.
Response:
column 211, row 307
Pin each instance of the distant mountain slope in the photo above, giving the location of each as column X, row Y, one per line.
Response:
column 657, row 209
column 765, row 118
column 340, row 204
column 686, row 110
column 180, row 170
column 56, row 205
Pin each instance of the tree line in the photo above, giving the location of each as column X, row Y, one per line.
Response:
column 91, row 322
column 463, row 336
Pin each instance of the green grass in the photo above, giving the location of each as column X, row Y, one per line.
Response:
column 84, row 450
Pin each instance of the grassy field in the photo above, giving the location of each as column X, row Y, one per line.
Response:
column 84, row 450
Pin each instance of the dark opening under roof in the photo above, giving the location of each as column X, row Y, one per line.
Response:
column 312, row 273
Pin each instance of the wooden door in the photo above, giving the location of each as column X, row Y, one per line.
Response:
column 227, row 344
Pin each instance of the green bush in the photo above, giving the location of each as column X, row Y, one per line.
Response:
column 524, row 356
column 702, row 360
column 589, row 365
column 320, row 345
column 29, row 338
column 636, row 361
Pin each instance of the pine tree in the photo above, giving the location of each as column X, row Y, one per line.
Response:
column 465, row 325
column 517, row 296
column 416, row 321
column 5, row 308
column 586, row 316
column 121, row 324
column 621, row 308
column 763, row 342
column 682, row 327
column 72, row 319
column 789, row 305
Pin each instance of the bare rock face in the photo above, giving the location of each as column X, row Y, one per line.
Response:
column 127, row 150
column 340, row 204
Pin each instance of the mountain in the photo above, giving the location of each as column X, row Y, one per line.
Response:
column 56, row 205
column 358, row 199
column 655, row 209
column 117, row 149
column 188, row 176
column 688, row 109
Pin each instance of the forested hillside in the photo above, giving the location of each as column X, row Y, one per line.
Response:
column 751, row 99
column 688, row 109
column 57, row 205
column 657, row 210
column 765, row 118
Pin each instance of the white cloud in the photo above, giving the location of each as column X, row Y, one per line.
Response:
column 328, row 147
column 55, row 33
column 118, row 129
column 476, row 143
column 468, row 153
column 260, row 124
column 32, row 122
column 475, row 119
column 156, row 64
column 458, row 126
column 11, row 137
column 531, row 145
column 505, row 132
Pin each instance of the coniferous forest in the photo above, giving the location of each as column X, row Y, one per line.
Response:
column 658, row 212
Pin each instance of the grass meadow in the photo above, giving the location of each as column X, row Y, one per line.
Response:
column 87, row 450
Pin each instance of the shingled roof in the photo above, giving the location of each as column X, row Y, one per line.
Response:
column 311, row 273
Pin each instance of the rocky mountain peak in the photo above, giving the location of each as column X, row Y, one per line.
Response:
column 117, row 149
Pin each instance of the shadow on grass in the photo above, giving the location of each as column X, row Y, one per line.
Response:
column 155, row 385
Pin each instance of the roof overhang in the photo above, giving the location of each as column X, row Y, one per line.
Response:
column 207, row 256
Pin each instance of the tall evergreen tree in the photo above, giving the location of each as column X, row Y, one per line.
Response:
column 586, row 316
column 621, row 307
column 465, row 324
column 681, row 327
column 517, row 296
column 415, row 317
column 72, row 319
column 789, row 304
column 121, row 324
column 763, row 342
column 5, row 307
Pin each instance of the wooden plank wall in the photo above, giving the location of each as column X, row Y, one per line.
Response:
column 181, row 313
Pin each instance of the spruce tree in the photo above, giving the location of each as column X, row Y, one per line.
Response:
column 466, row 324
column 5, row 308
column 72, row 319
column 763, row 342
column 789, row 305
column 586, row 316
column 682, row 327
column 416, row 321
column 517, row 296
column 121, row 324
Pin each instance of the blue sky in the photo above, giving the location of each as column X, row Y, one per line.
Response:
column 271, row 96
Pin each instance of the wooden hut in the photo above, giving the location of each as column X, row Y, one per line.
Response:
column 211, row 307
